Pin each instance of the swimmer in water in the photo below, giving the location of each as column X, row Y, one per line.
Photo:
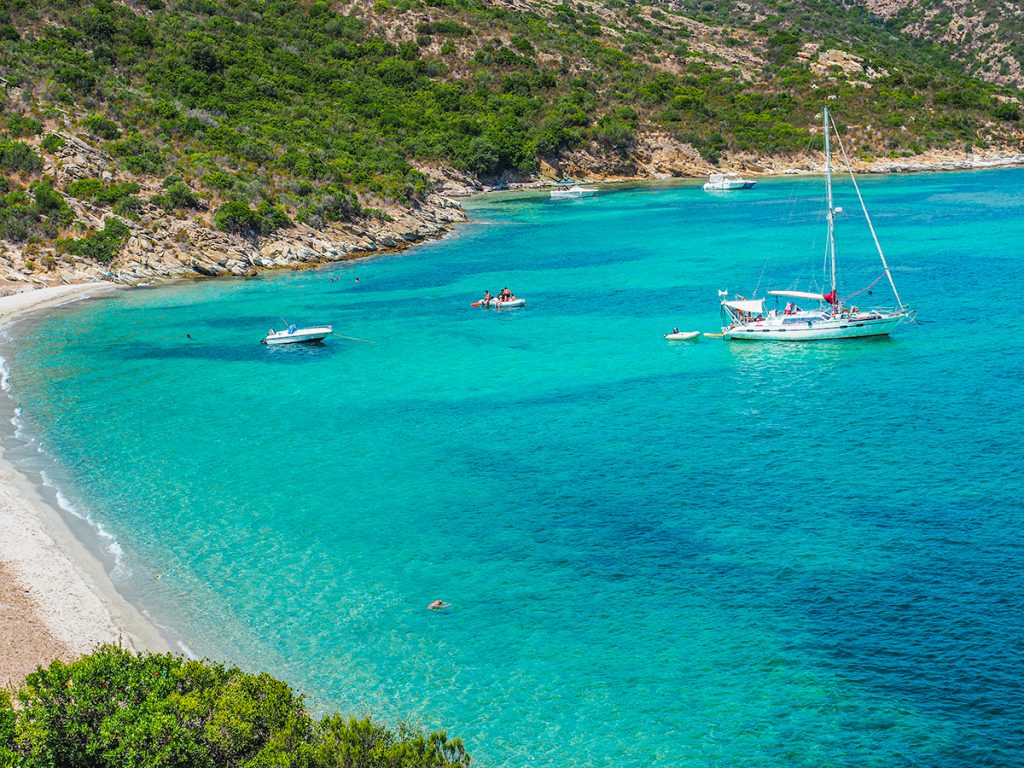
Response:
column 437, row 605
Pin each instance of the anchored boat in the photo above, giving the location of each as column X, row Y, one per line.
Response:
column 723, row 182
column 295, row 335
column 833, row 316
column 563, row 193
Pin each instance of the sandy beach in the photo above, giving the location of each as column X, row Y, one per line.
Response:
column 56, row 599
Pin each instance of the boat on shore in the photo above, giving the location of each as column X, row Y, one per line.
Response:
column 833, row 316
column 724, row 182
column 566, row 193
column 295, row 335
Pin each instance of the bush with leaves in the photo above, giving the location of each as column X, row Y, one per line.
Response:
column 100, row 246
column 130, row 207
column 23, row 125
column 19, row 157
column 177, row 195
column 115, row 708
column 237, row 217
column 101, row 127
column 52, row 142
column 138, row 154
column 43, row 214
column 100, row 193
column 218, row 180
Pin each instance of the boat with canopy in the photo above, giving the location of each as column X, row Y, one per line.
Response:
column 833, row 316
column 572, row 192
column 725, row 182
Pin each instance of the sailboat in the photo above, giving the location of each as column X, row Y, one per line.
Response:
column 833, row 316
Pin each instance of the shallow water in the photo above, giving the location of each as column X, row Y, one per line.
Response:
column 661, row 554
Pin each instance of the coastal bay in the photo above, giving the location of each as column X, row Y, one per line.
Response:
column 579, row 489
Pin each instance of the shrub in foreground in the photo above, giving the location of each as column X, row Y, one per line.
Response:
column 114, row 707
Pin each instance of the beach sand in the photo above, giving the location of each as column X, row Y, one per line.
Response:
column 56, row 599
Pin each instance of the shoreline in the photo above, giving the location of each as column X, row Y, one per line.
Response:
column 57, row 600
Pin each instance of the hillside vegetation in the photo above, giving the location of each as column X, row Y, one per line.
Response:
column 985, row 36
column 254, row 115
column 115, row 708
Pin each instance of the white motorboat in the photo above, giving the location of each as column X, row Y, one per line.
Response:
column 832, row 317
column 564, row 193
column 295, row 335
column 723, row 182
column 682, row 335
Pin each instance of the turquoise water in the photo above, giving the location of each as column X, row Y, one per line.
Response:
column 657, row 554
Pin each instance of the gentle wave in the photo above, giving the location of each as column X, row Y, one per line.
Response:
column 109, row 542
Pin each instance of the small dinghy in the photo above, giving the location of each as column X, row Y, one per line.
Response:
column 682, row 335
column 295, row 335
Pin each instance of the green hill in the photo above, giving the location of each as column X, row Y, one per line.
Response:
column 315, row 113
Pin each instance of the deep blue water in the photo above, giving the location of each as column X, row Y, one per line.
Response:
column 658, row 554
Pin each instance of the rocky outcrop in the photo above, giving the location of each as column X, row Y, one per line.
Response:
column 161, row 248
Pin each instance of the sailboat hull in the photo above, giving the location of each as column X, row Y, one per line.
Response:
column 813, row 329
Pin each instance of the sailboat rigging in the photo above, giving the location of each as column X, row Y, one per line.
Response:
column 833, row 318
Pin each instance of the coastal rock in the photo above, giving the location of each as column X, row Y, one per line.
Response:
column 208, row 269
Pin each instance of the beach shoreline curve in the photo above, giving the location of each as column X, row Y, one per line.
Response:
column 57, row 600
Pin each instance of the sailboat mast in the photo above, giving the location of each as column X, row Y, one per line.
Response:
column 830, row 215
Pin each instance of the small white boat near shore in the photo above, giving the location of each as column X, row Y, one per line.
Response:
column 723, row 182
column 682, row 335
column 295, row 335
column 566, row 193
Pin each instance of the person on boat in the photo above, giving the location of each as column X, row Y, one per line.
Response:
column 437, row 605
column 487, row 298
column 675, row 330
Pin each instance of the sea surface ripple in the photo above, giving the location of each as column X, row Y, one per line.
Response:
column 657, row 554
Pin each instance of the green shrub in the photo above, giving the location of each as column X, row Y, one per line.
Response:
column 177, row 195
column 138, row 154
column 102, row 127
column 100, row 193
column 39, row 212
column 100, row 246
column 19, row 158
column 237, row 217
column 272, row 218
column 23, row 125
column 130, row 207
column 52, row 142
column 218, row 180
column 115, row 708
column 8, row 721
column 1007, row 111
column 50, row 205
